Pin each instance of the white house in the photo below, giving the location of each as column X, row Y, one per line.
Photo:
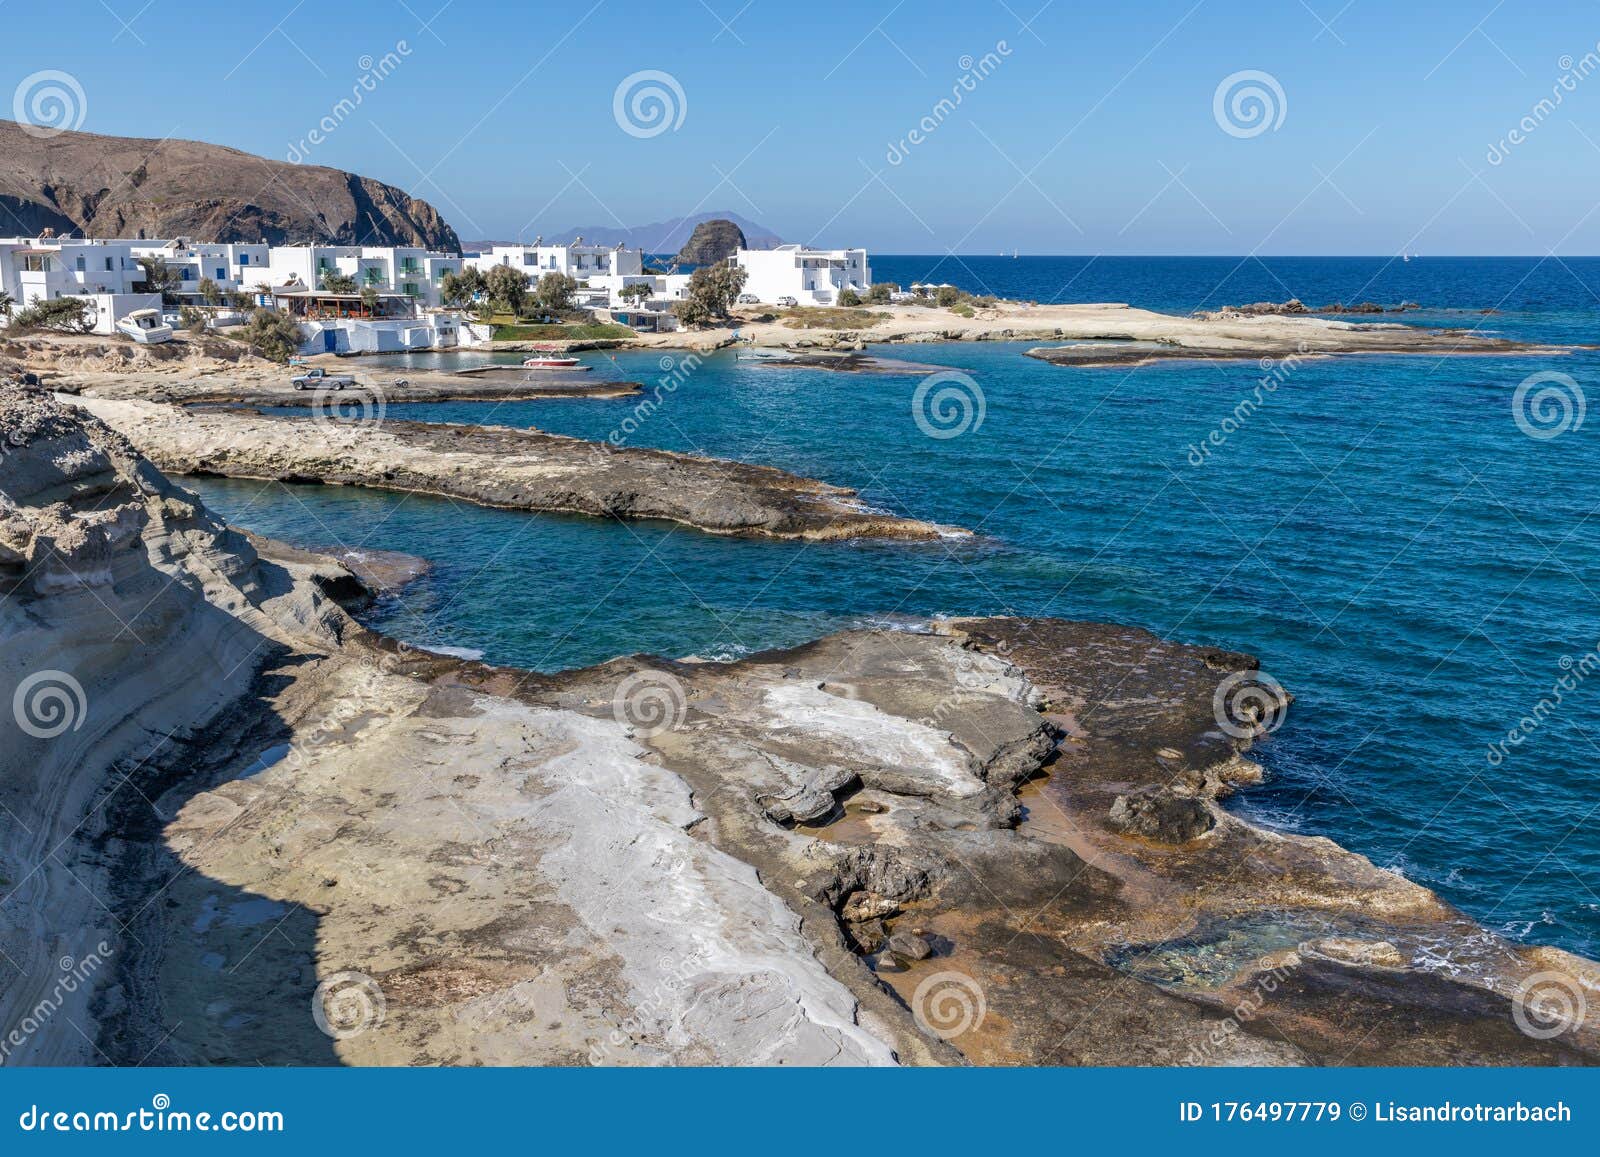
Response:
column 810, row 276
column 404, row 270
column 231, row 265
column 580, row 261
column 106, row 273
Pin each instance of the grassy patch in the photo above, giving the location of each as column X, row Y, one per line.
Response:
column 825, row 317
column 561, row 332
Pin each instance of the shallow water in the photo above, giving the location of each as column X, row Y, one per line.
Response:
column 1379, row 531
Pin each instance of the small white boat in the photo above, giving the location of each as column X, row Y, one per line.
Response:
column 145, row 327
column 549, row 360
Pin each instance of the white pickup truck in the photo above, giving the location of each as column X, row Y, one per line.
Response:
column 318, row 378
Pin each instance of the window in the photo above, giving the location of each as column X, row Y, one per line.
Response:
column 36, row 263
column 109, row 267
column 244, row 259
column 222, row 275
column 80, row 264
column 411, row 289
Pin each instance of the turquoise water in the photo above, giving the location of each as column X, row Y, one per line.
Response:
column 1380, row 532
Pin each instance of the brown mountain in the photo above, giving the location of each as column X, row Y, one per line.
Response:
column 127, row 187
column 711, row 241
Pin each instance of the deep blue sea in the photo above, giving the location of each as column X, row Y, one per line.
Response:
column 1381, row 532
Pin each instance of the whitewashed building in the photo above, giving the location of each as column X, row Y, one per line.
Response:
column 233, row 266
column 407, row 271
column 578, row 260
column 105, row 273
column 810, row 276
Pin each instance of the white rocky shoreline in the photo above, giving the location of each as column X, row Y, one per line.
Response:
column 301, row 842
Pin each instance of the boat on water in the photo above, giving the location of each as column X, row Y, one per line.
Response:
column 145, row 327
column 551, row 359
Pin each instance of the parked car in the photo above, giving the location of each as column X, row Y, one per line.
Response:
column 749, row 299
column 318, row 378
column 789, row 301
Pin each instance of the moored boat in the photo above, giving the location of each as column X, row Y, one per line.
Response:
column 550, row 359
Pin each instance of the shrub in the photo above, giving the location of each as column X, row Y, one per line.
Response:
column 849, row 297
column 880, row 292
column 272, row 334
column 65, row 314
column 192, row 319
column 947, row 296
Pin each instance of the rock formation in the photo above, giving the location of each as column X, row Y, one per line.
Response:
column 711, row 242
column 103, row 186
column 256, row 833
column 497, row 466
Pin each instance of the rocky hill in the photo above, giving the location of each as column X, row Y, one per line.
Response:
column 712, row 241
column 104, row 186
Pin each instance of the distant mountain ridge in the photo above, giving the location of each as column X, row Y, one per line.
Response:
column 100, row 186
column 667, row 236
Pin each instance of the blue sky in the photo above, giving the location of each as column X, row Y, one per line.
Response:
column 1095, row 129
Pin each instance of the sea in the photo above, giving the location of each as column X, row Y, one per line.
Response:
column 1410, row 545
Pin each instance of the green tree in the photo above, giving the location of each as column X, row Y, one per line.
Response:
column 948, row 295
column 712, row 289
column 369, row 298
column 849, row 297
column 7, row 303
column 159, row 277
column 459, row 289
column 554, row 294
column 880, row 292
column 507, row 288
column 335, row 282
column 191, row 319
column 210, row 291
column 637, row 289
column 272, row 334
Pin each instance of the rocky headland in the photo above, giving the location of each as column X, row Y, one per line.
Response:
column 348, row 442
column 103, row 186
column 284, row 839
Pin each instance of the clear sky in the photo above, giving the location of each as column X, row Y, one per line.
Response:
column 1094, row 128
